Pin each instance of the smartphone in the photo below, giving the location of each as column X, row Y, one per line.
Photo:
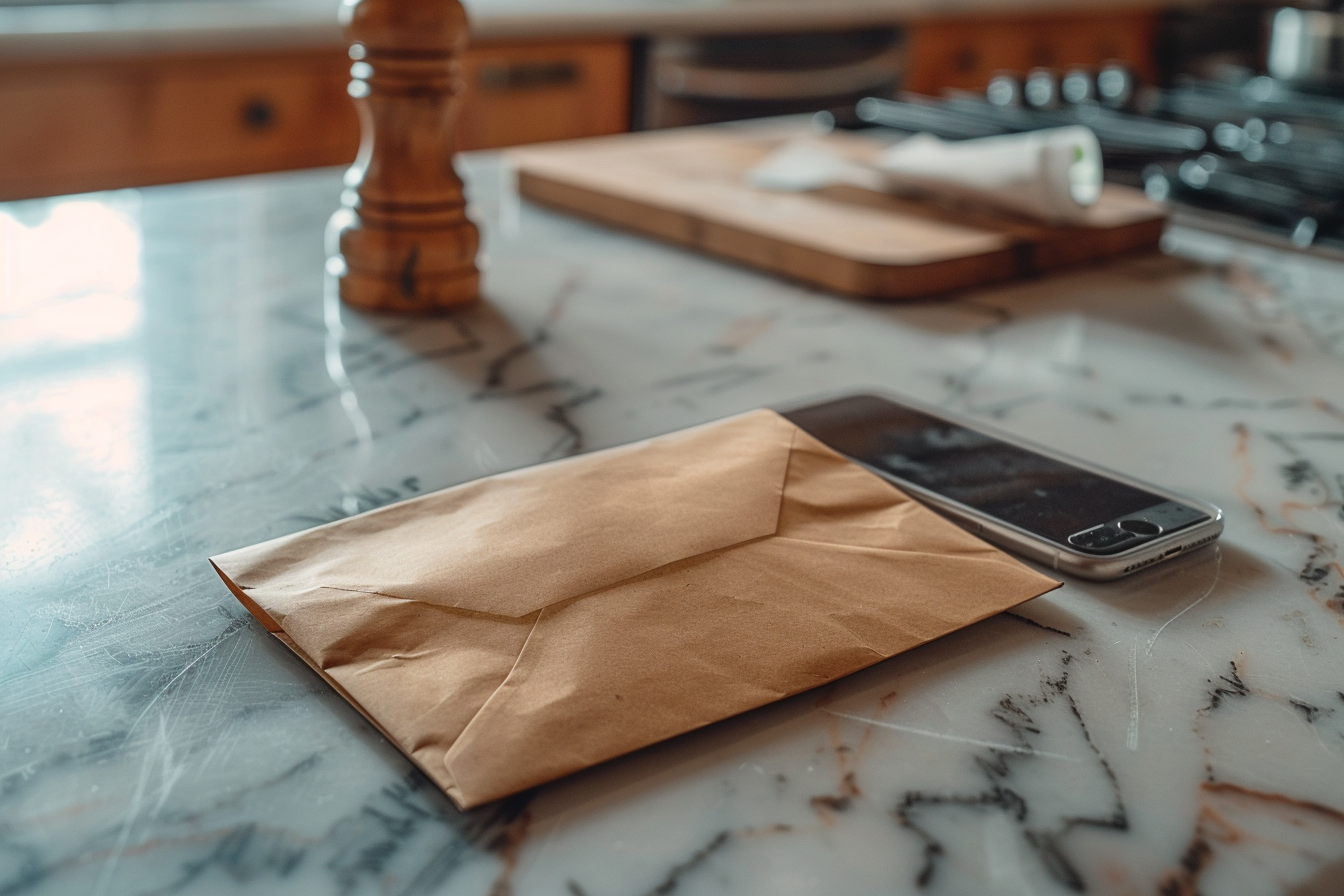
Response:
column 1064, row 513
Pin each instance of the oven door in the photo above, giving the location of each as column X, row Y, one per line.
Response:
column 725, row 78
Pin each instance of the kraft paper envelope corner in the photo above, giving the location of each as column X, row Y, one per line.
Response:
column 512, row 630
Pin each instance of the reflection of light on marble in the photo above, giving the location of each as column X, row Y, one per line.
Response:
column 74, row 422
column 80, row 441
column 71, row 278
column 331, row 314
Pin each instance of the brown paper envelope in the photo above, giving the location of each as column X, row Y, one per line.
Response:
column 514, row 629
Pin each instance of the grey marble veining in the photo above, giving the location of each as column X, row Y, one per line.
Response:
column 173, row 384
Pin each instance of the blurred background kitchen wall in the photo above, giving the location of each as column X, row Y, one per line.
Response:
column 136, row 92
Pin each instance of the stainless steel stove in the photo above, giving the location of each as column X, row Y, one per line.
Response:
column 1242, row 152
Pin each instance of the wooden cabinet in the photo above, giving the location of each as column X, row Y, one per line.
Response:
column 103, row 124
column 965, row 53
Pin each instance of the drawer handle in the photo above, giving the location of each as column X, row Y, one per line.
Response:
column 258, row 114
column 523, row 75
column 676, row 78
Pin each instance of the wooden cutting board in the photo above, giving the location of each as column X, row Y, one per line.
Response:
column 688, row 186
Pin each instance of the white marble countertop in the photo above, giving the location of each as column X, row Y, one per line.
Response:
column 172, row 386
column 155, row 26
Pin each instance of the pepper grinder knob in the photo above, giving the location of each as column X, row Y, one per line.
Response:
column 402, row 240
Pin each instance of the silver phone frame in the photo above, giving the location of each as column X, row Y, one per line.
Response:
column 1096, row 567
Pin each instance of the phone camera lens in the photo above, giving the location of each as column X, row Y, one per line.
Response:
column 1140, row 527
column 1100, row 538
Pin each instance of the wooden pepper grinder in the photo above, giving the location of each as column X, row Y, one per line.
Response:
column 402, row 240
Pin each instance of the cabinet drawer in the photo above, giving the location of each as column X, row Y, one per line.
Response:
column 114, row 123
column 288, row 113
column 528, row 93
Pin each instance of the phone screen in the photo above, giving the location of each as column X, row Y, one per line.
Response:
column 1046, row 497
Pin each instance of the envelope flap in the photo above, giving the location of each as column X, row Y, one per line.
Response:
column 514, row 543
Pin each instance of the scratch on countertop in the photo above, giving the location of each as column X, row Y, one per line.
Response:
column 1132, row 738
column 1217, row 573
column 993, row 745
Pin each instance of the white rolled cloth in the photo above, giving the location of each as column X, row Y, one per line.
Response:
column 1052, row 175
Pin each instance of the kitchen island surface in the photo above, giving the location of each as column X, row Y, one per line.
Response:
column 175, row 383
